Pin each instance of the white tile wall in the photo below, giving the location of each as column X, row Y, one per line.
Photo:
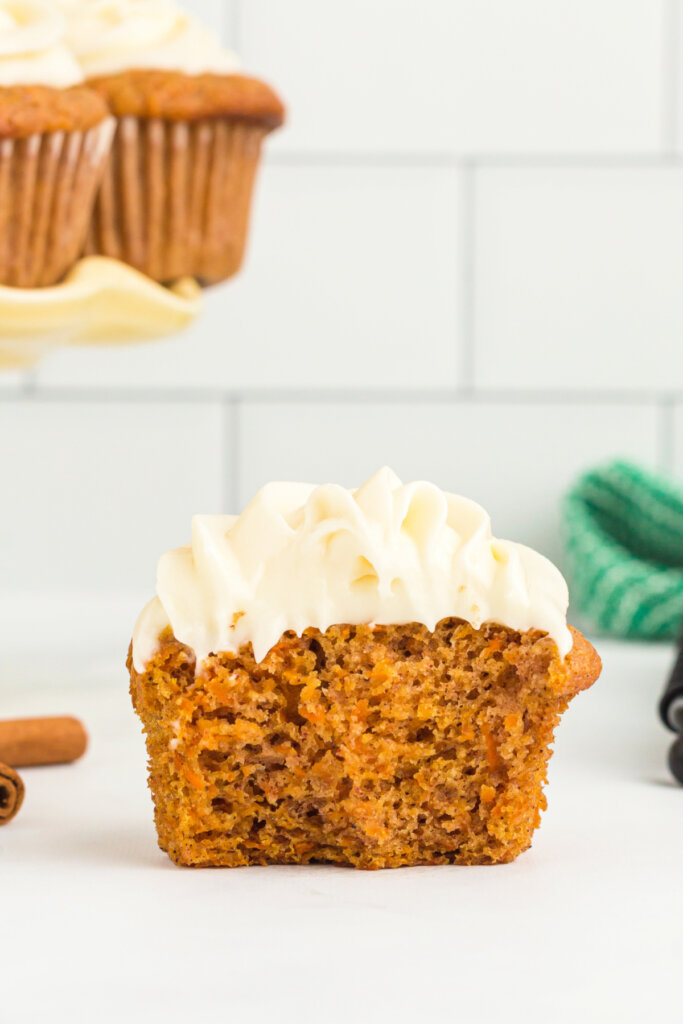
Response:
column 579, row 278
column 676, row 453
column 218, row 15
column 465, row 261
column 352, row 281
column 93, row 492
column 463, row 76
column 12, row 380
column 514, row 458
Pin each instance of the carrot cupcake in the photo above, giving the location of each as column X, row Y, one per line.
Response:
column 177, row 194
column 363, row 677
column 54, row 140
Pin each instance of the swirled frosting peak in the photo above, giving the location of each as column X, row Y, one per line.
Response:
column 110, row 36
column 388, row 553
column 32, row 47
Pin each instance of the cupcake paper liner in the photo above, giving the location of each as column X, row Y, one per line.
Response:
column 48, row 185
column 176, row 196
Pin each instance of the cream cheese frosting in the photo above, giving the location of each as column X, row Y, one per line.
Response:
column 110, row 36
column 387, row 553
column 32, row 46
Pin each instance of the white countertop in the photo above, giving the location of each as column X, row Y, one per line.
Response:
column 99, row 926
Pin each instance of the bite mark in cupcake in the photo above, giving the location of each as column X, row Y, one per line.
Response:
column 366, row 677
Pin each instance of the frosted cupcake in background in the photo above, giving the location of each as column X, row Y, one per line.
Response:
column 54, row 141
column 176, row 197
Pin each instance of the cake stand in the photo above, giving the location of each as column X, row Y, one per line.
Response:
column 100, row 302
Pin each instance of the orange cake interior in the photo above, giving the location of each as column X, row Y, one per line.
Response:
column 373, row 746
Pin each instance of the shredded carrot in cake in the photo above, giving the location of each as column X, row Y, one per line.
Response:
column 375, row 747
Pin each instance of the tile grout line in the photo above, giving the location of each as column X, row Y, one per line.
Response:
column 504, row 161
column 233, row 452
column 670, row 76
column 666, row 439
column 40, row 395
column 235, row 26
column 225, row 430
column 466, row 354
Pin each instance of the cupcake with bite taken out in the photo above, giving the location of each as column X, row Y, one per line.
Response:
column 364, row 677
column 54, row 141
column 176, row 196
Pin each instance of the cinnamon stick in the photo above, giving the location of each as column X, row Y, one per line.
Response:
column 27, row 742
column 11, row 794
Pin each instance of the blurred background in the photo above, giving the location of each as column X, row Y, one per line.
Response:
column 466, row 262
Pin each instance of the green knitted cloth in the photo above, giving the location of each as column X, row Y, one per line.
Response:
column 624, row 544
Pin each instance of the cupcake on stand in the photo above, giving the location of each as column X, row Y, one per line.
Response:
column 129, row 145
column 55, row 136
column 177, row 191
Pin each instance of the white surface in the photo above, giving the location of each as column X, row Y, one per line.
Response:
column 462, row 76
column 101, row 927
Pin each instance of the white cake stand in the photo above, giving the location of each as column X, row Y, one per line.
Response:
column 100, row 302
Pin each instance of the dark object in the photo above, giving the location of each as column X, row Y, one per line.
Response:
column 11, row 794
column 676, row 759
column 671, row 711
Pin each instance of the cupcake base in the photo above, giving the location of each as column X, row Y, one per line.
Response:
column 374, row 747
column 48, row 184
column 176, row 197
